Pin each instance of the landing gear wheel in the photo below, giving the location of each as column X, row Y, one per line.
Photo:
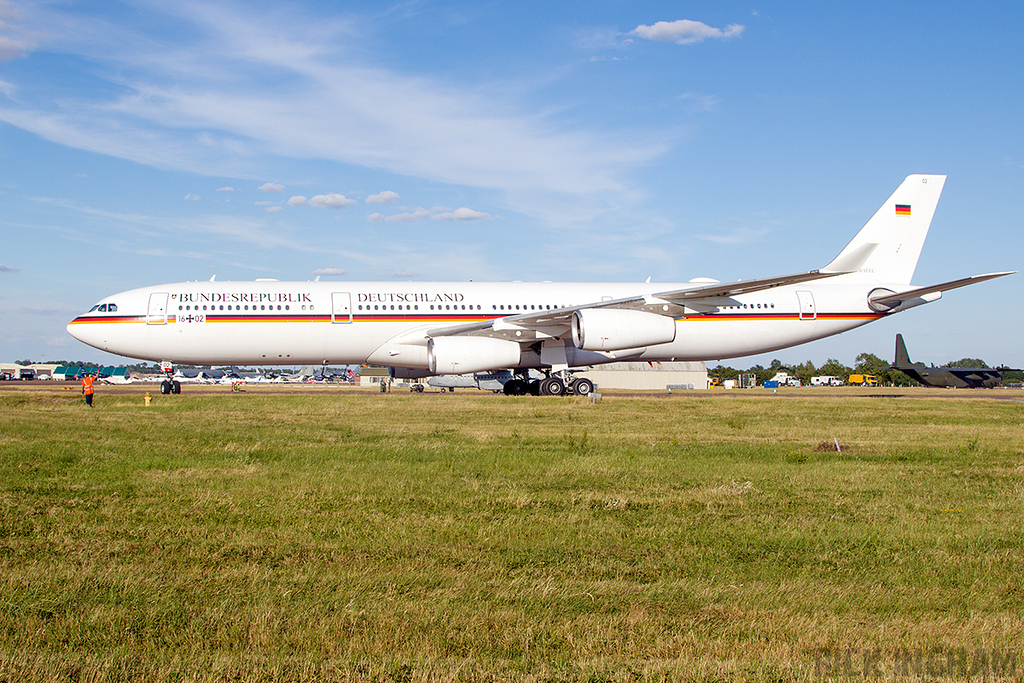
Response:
column 175, row 387
column 165, row 387
column 552, row 386
column 515, row 387
column 534, row 388
column 581, row 386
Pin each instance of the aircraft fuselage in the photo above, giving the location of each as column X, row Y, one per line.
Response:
column 292, row 323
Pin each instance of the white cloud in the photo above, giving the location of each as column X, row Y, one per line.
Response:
column 331, row 200
column 9, row 12
column 297, row 200
column 685, row 31
column 272, row 209
column 225, row 189
column 696, row 103
column 271, row 187
column 374, row 218
column 14, row 44
column 12, row 49
column 385, row 197
column 735, row 236
column 416, row 215
column 192, row 197
column 463, row 214
column 265, row 202
column 7, row 269
column 329, row 271
column 167, row 95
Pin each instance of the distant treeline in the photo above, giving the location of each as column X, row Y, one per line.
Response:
column 866, row 363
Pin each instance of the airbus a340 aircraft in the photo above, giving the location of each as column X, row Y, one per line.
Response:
column 422, row 329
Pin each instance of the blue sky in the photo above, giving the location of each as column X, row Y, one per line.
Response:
column 150, row 142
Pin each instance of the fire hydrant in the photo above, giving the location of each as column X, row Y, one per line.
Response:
column 147, row 399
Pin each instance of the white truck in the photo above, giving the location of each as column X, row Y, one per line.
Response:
column 826, row 381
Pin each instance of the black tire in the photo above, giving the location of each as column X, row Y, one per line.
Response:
column 534, row 388
column 581, row 386
column 165, row 387
column 175, row 387
column 552, row 386
column 515, row 387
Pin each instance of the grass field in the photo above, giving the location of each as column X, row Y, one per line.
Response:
column 357, row 536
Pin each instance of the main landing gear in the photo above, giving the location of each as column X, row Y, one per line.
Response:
column 560, row 384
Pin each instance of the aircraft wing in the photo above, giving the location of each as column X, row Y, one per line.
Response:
column 922, row 292
column 964, row 373
column 670, row 302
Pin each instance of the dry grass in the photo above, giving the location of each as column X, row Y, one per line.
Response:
column 354, row 536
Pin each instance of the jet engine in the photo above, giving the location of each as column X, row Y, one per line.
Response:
column 614, row 329
column 458, row 355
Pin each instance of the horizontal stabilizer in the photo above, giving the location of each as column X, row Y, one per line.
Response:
column 918, row 292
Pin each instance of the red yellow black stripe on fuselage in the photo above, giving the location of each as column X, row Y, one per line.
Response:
column 421, row 319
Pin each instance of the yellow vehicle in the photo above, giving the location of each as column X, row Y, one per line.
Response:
column 715, row 382
column 863, row 380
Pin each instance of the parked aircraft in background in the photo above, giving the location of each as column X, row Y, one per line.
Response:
column 963, row 378
column 453, row 328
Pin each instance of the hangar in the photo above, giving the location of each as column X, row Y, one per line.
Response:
column 649, row 376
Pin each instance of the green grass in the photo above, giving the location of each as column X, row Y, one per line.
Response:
column 264, row 536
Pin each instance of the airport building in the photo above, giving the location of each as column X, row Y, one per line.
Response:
column 649, row 376
column 38, row 370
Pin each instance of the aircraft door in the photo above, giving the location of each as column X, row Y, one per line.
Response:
column 341, row 311
column 156, row 314
column 807, row 310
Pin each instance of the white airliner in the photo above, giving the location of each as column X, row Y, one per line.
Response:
column 422, row 329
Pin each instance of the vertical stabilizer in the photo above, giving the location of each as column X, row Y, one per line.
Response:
column 902, row 357
column 888, row 246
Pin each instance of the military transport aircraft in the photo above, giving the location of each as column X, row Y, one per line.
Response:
column 962, row 378
column 452, row 328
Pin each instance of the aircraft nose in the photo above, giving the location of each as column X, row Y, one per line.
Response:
column 87, row 333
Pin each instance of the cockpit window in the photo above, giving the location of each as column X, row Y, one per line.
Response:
column 94, row 308
column 111, row 308
column 103, row 308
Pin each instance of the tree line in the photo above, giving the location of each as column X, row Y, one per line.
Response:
column 865, row 364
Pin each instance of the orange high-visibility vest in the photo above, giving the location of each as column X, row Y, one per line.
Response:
column 87, row 385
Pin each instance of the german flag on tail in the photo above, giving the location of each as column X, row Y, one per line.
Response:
column 903, row 209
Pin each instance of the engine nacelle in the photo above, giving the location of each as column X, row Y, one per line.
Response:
column 458, row 355
column 613, row 329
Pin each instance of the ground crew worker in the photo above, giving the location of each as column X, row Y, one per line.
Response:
column 87, row 389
